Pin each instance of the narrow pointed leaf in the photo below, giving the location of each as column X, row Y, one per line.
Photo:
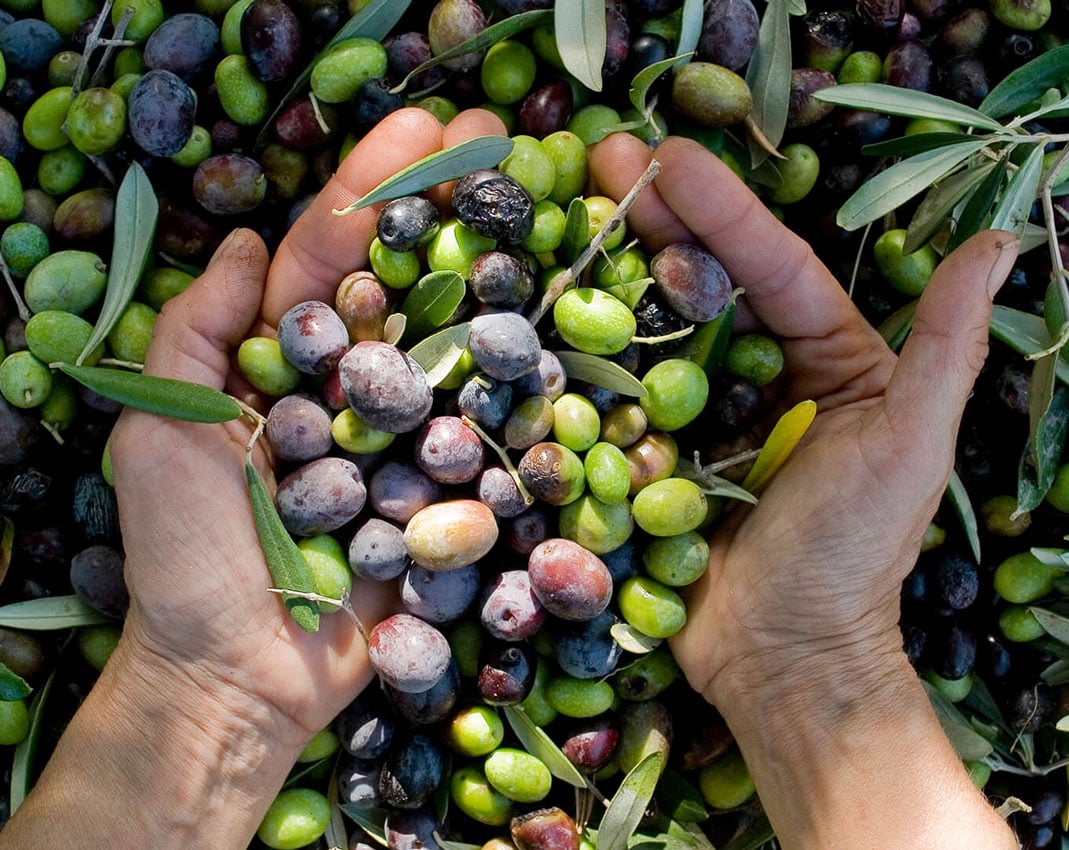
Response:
column 790, row 428
column 432, row 302
column 1033, row 481
column 968, row 743
column 576, row 231
column 769, row 77
column 690, row 31
column 893, row 100
column 136, row 211
column 1040, row 396
column 374, row 21
column 889, row 189
column 579, row 28
column 1016, row 202
column 449, row 164
column 12, row 685
column 600, row 372
column 911, row 145
column 981, row 701
column 446, row 844
column 162, row 396
column 7, row 544
column 485, row 38
column 372, row 821
column 934, row 211
column 1025, row 333
column 628, row 804
column 976, row 210
column 23, row 762
column 289, row 569
column 644, row 80
column 440, row 352
column 1057, row 558
column 1027, row 83
column 632, row 640
column 1053, row 624
column 680, row 799
column 541, row 746
column 714, row 485
column 754, row 837
column 50, row 613
column 959, row 498
column 708, row 345
column 394, row 328
column 896, row 327
column 1056, row 673
column 797, row 8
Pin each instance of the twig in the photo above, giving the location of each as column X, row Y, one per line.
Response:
column 506, row 461
column 121, row 364
column 110, row 43
column 571, row 275
column 90, row 45
column 857, row 260
column 16, row 296
column 320, row 120
column 653, row 340
column 1011, row 805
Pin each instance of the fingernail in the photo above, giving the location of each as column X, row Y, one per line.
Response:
column 224, row 246
column 1002, row 266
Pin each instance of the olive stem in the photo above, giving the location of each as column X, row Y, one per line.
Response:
column 90, row 44
column 343, row 604
column 121, row 364
column 20, row 305
column 1011, row 805
column 54, row 431
column 102, row 167
column 857, row 260
column 109, row 43
column 1039, row 770
column 510, row 467
column 320, row 120
column 571, row 275
column 729, row 462
column 653, row 340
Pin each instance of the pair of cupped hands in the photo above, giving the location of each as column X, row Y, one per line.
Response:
column 812, row 571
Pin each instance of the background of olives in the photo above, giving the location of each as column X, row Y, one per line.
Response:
column 188, row 100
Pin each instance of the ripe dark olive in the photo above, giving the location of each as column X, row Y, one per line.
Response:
column 494, row 205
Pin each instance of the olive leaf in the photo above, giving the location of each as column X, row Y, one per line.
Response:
column 643, row 81
column 975, row 212
column 632, row 640
column 785, row 435
column 307, row 772
column 432, row 302
column 600, row 372
column 579, row 30
column 446, row 844
column 893, row 100
column 162, row 396
column 1016, row 202
column 372, row 821
column 896, row 327
column 1024, row 333
column 1040, row 397
column 12, row 685
column 7, row 543
column 1056, row 673
column 1027, row 83
column 910, row 145
column 769, row 77
column 891, row 188
column 1057, row 558
column 136, row 211
column 289, row 569
column 690, row 31
column 374, row 21
column 541, row 746
column 25, row 755
column 480, row 41
column 934, row 211
column 576, row 231
column 49, row 613
column 980, row 700
column 1053, row 624
column 708, row 345
column 394, row 328
column 628, row 805
column 440, row 352
column 967, row 742
column 1034, row 480
column 959, row 498
column 714, row 485
column 448, row 164
column 678, row 798
column 755, row 836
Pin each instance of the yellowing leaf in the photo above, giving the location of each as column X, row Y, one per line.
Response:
column 780, row 443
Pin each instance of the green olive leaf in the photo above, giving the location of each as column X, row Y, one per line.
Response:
column 983, row 703
column 632, row 640
column 541, row 746
column 910, row 145
column 690, row 32
column 600, row 372
column 893, row 100
column 975, row 212
column 785, row 435
column 163, row 396
column 1025, row 333
column 12, row 685
column 440, row 352
column 889, row 189
column 896, row 327
column 374, row 21
column 628, row 805
column 372, row 821
column 769, row 77
column 1053, row 624
column 643, row 81
column 934, row 211
column 289, row 569
column 302, row 773
column 678, row 798
column 959, row 498
column 1056, row 673
column 448, row 164
column 50, row 613
column 756, row 835
column 714, row 485
column 23, row 762
column 487, row 37
column 446, row 844
column 1013, row 207
column 579, row 30
column 968, row 743
column 576, row 231
column 1027, row 83
column 432, row 302
column 1040, row 396
column 708, row 345
column 136, row 211
column 1057, row 558
column 1034, row 480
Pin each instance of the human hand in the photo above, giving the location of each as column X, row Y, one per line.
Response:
column 194, row 567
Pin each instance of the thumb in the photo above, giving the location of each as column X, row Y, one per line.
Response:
column 941, row 359
column 196, row 330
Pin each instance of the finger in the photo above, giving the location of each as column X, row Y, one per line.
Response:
column 467, row 125
column 196, row 330
column 789, row 289
column 616, row 164
column 321, row 248
column 943, row 355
